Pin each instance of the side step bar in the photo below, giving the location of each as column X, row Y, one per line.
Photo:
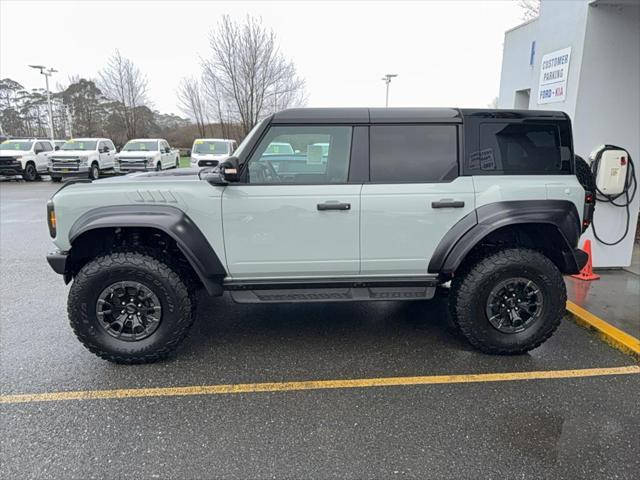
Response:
column 421, row 288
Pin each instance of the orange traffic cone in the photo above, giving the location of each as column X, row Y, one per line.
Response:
column 587, row 271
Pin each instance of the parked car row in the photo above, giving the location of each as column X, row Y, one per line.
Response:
column 83, row 157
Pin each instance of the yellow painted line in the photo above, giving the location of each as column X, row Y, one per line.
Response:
column 315, row 385
column 610, row 334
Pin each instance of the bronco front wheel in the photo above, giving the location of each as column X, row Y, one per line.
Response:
column 129, row 307
column 509, row 301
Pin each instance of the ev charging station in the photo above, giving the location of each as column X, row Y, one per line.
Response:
column 581, row 57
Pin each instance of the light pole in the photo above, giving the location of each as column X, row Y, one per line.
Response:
column 47, row 72
column 387, row 79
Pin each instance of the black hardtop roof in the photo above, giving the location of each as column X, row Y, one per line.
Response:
column 402, row 115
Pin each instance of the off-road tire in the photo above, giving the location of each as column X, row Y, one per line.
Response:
column 472, row 285
column 30, row 173
column 176, row 297
column 94, row 171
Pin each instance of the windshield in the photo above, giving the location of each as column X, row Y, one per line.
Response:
column 79, row 145
column 16, row 145
column 211, row 147
column 278, row 148
column 140, row 146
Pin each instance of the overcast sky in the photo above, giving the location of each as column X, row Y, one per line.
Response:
column 446, row 53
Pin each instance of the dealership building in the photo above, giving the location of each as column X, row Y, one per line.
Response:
column 583, row 57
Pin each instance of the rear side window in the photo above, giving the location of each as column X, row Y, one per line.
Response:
column 413, row 153
column 519, row 148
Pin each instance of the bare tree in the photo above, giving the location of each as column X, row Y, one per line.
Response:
column 124, row 83
column 530, row 9
column 246, row 76
column 192, row 102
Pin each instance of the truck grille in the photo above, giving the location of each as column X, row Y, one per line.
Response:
column 133, row 164
column 10, row 166
column 66, row 164
column 7, row 160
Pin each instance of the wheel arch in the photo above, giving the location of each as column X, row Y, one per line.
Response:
column 167, row 222
column 550, row 226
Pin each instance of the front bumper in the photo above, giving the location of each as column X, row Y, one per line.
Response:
column 68, row 170
column 126, row 167
column 58, row 261
column 12, row 168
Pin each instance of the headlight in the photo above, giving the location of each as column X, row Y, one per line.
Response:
column 18, row 158
column 83, row 160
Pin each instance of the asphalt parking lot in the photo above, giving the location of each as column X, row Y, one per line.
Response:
column 574, row 427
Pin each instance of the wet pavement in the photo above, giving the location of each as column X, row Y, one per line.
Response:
column 561, row 428
column 614, row 297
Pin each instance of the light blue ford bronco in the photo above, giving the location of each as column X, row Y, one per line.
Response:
column 367, row 204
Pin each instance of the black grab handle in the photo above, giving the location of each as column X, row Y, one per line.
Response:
column 334, row 206
column 448, row 204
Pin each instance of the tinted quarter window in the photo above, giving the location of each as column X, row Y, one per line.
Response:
column 413, row 153
column 519, row 148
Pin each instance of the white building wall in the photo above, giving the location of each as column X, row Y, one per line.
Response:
column 608, row 111
column 602, row 94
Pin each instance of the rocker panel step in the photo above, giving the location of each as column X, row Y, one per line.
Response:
column 345, row 294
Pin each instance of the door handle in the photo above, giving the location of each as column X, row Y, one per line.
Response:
column 334, row 206
column 447, row 203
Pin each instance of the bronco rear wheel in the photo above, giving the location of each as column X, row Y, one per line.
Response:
column 130, row 307
column 509, row 301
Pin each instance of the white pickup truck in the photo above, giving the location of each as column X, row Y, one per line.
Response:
column 28, row 158
column 82, row 157
column 142, row 154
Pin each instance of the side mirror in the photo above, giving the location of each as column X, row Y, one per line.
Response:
column 230, row 169
column 57, row 147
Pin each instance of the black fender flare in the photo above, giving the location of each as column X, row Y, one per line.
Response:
column 475, row 226
column 170, row 220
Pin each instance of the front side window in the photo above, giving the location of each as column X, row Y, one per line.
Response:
column 413, row 153
column 302, row 155
column 82, row 145
column 46, row 146
column 519, row 148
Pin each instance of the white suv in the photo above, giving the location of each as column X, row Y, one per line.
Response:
column 143, row 154
column 208, row 152
column 28, row 158
column 82, row 157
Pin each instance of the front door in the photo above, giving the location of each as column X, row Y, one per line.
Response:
column 294, row 214
column 415, row 196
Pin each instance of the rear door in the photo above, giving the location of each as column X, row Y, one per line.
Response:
column 294, row 214
column 414, row 197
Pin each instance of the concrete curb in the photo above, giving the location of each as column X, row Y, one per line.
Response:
column 611, row 335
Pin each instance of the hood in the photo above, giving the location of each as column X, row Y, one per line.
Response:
column 137, row 154
column 13, row 153
column 209, row 156
column 177, row 173
column 72, row 153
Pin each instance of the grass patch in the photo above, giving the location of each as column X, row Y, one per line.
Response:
column 185, row 162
